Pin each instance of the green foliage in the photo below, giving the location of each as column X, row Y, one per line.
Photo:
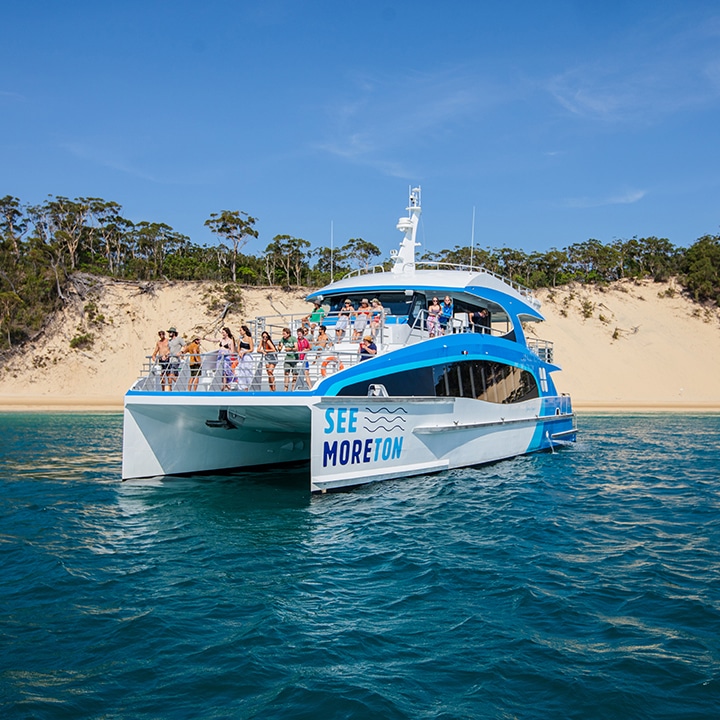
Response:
column 93, row 314
column 236, row 226
column 587, row 308
column 84, row 341
column 42, row 245
column 701, row 266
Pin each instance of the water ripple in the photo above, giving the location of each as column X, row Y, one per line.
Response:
column 581, row 584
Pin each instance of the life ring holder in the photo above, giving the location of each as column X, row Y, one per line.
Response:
column 332, row 360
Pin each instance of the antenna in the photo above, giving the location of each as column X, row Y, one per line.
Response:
column 331, row 250
column 472, row 239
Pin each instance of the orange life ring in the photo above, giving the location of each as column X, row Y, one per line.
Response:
column 331, row 360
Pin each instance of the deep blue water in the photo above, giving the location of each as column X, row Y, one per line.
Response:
column 581, row 584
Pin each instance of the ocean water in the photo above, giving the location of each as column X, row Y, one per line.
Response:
column 580, row 584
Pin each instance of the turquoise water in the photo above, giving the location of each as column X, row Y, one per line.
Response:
column 581, row 584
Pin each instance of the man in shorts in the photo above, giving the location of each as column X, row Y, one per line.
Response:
column 288, row 343
column 176, row 345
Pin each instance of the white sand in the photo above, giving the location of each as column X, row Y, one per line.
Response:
column 639, row 349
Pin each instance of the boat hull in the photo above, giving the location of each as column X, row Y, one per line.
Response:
column 176, row 434
column 361, row 440
column 349, row 440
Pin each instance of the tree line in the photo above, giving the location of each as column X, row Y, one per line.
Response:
column 42, row 246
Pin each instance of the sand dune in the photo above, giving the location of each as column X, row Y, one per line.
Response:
column 633, row 346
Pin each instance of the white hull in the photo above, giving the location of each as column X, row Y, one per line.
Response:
column 350, row 441
column 172, row 437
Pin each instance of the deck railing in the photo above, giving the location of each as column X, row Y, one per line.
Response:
column 231, row 372
column 465, row 267
column 542, row 348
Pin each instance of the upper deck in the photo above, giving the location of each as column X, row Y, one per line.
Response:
column 255, row 373
column 399, row 317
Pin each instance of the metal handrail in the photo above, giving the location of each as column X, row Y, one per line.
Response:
column 544, row 349
column 232, row 372
column 438, row 265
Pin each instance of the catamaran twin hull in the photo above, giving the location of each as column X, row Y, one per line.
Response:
column 348, row 440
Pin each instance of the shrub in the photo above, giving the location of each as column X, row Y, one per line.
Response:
column 82, row 342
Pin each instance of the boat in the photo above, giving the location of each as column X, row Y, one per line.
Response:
column 440, row 390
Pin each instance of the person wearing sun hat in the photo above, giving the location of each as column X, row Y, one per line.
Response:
column 192, row 349
column 367, row 348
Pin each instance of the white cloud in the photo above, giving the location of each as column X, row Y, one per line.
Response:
column 626, row 198
column 646, row 73
column 388, row 118
column 103, row 154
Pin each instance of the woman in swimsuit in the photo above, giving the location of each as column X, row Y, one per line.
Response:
column 225, row 356
column 343, row 321
column 246, row 366
column 362, row 317
column 270, row 353
column 433, row 318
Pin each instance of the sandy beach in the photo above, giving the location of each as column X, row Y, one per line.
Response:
column 632, row 347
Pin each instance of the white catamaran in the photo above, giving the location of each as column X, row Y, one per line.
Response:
column 444, row 389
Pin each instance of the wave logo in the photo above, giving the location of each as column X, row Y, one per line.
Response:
column 384, row 420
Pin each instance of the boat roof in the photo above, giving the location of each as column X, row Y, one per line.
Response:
column 475, row 282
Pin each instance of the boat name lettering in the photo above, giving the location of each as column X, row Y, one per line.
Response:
column 344, row 421
column 356, row 452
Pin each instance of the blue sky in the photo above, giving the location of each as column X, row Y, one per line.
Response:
column 556, row 121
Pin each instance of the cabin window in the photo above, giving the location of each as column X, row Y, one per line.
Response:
column 485, row 380
column 479, row 379
column 395, row 303
column 408, row 383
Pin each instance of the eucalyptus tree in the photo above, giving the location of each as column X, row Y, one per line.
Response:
column 284, row 257
column 153, row 242
column 12, row 227
column 361, row 251
column 591, row 261
column 13, row 223
column 44, row 249
column 513, row 264
column 10, row 301
column 457, row 256
column 235, row 226
column 68, row 220
column 659, row 257
column 700, row 264
column 110, row 230
column 554, row 264
column 330, row 263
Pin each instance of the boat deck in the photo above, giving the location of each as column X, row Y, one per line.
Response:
column 232, row 374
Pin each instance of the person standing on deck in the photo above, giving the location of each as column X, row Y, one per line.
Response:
column 192, row 349
column 303, row 345
column 377, row 318
column 176, row 345
column 161, row 355
column 485, row 320
column 245, row 369
column 225, row 355
column 433, row 317
column 270, row 353
column 288, row 343
column 343, row 322
column 446, row 313
column 362, row 319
